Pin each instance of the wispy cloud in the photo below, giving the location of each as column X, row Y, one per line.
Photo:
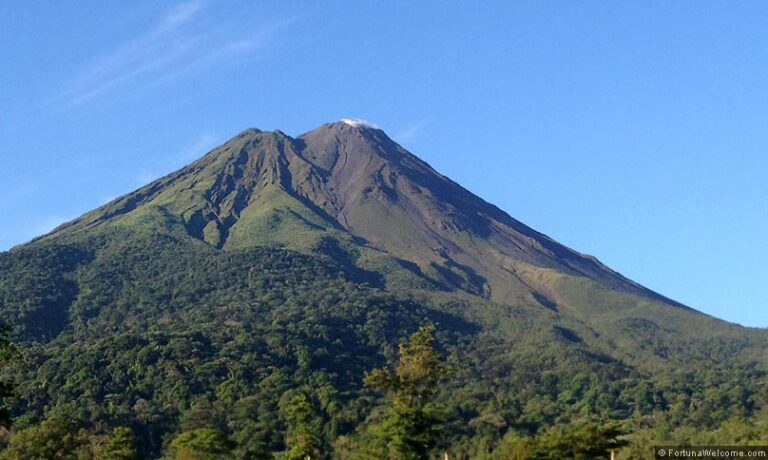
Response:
column 181, row 14
column 205, row 143
column 202, row 145
column 181, row 41
column 412, row 130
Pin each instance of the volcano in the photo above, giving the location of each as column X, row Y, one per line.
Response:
column 350, row 184
column 276, row 264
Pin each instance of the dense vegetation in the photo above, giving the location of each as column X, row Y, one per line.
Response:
column 143, row 345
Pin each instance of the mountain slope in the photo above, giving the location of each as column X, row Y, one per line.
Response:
column 350, row 180
column 347, row 190
column 276, row 263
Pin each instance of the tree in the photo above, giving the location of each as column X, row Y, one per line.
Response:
column 587, row 441
column 412, row 423
column 303, row 441
column 514, row 446
column 120, row 446
column 202, row 444
column 54, row 438
column 8, row 354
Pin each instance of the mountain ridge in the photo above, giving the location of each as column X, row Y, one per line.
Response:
column 349, row 175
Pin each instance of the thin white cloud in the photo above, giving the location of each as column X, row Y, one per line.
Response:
column 202, row 145
column 179, row 43
column 136, row 50
column 412, row 130
column 181, row 14
column 228, row 52
column 205, row 143
column 112, row 82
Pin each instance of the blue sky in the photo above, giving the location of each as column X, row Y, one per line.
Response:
column 633, row 131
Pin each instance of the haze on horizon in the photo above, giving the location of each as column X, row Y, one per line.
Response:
column 632, row 133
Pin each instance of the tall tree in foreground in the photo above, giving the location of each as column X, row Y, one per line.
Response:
column 120, row 446
column 303, row 438
column 578, row 441
column 202, row 444
column 411, row 425
column 587, row 441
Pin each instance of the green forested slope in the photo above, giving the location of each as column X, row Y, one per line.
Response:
column 274, row 272
column 165, row 335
